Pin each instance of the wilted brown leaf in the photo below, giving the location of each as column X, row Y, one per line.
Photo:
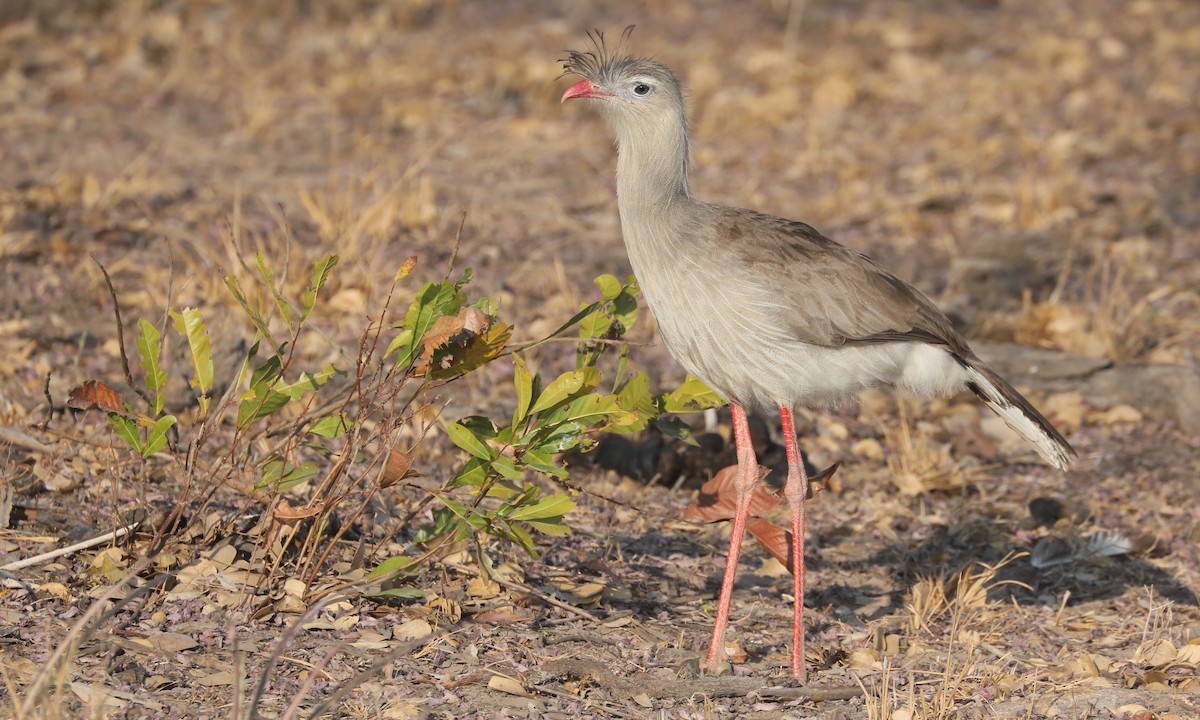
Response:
column 775, row 539
column 95, row 395
column 288, row 514
column 396, row 468
column 717, row 499
column 459, row 329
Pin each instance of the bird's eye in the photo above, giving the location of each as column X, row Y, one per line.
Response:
column 642, row 89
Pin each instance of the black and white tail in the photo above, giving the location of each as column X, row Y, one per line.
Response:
column 1019, row 415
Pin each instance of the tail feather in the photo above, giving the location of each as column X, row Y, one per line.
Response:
column 1020, row 415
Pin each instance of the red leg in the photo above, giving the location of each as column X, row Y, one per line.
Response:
column 747, row 477
column 796, row 490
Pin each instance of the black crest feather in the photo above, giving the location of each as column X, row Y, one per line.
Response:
column 600, row 61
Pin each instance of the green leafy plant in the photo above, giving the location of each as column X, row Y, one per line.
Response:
column 491, row 494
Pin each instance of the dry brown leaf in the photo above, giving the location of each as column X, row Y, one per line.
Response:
column 54, row 589
column 1120, row 415
column 166, row 642
column 775, row 539
column 508, row 685
column 502, row 616
column 413, row 630
column 482, row 589
column 468, row 323
column 95, row 395
column 443, row 608
column 718, row 498
column 864, row 659
column 397, row 467
column 288, row 514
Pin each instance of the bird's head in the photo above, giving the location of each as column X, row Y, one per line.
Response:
column 626, row 88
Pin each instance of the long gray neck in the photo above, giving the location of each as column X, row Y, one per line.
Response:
column 651, row 166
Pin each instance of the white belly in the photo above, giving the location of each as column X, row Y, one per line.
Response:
column 728, row 335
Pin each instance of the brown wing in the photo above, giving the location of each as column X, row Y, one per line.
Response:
column 849, row 299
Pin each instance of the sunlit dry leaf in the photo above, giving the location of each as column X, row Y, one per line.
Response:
column 54, row 589
column 864, row 659
column 482, row 589
column 502, row 616
column 460, row 328
column 444, row 608
column 166, row 642
column 288, row 514
column 413, row 630
column 1157, row 654
column 405, row 269
column 223, row 677
column 775, row 539
column 508, row 685
column 95, row 395
column 396, row 468
column 717, row 499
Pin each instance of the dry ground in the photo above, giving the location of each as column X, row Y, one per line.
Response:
column 1035, row 166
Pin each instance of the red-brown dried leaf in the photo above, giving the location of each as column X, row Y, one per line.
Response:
column 718, row 498
column 775, row 539
column 459, row 328
column 95, row 395
column 288, row 514
column 397, row 467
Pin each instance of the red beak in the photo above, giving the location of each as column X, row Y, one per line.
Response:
column 584, row 89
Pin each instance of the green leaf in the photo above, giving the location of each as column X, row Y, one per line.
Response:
column 157, row 439
column 564, row 437
column 473, row 473
column 523, row 380
column 320, row 275
column 595, row 325
column 477, row 517
column 273, row 475
column 676, row 428
column 610, row 286
column 516, row 534
column 191, row 325
column 634, row 398
column 432, row 301
column 565, row 326
column 330, row 426
column 461, row 436
column 551, row 527
column 281, row 303
column 565, row 386
column 547, row 507
column 691, row 396
column 507, row 467
column 150, row 351
column 392, row 566
column 481, row 425
column 127, row 430
column 255, row 314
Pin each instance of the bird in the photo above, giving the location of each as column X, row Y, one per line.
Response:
column 767, row 311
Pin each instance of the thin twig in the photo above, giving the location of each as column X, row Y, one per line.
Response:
column 98, row 540
column 462, row 221
column 49, row 402
column 19, row 438
column 112, row 292
column 815, row 694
